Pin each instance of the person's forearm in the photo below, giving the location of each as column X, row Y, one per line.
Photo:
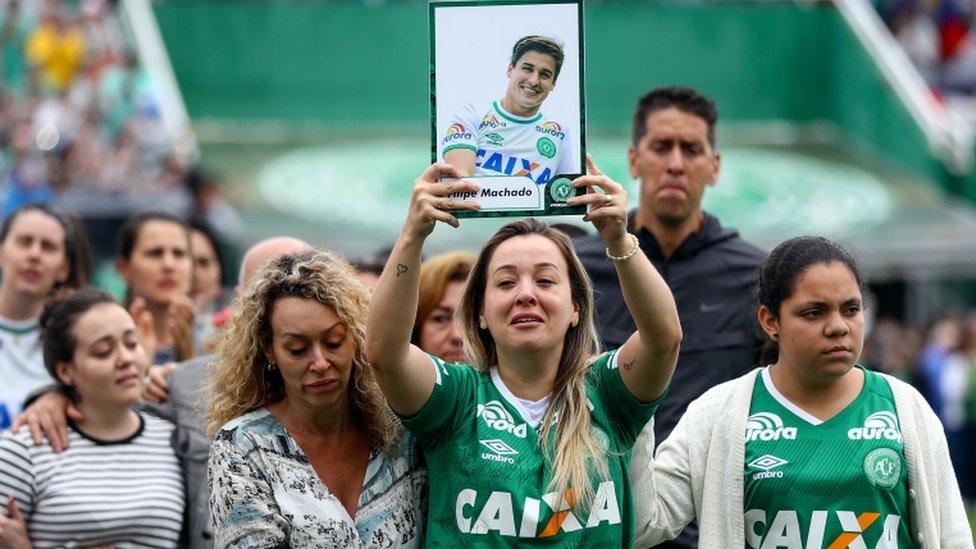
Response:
column 462, row 159
column 649, row 301
column 650, row 355
column 393, row 306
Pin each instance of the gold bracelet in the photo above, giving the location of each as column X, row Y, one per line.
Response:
column 627, row 255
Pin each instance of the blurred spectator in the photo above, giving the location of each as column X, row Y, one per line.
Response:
column 56, row 48
column 943, row 338
column 209, row 289
column 209, row 204
column 441, row 282
column 370, row 267
column 42, row 250
column 28, row 176
column 893, row 349
column 956, row 388
column 918, row 34
column 208, row 277
column 13, row 35
column 102, row 33
column 155, row 262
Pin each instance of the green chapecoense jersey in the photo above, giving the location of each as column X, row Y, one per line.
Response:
column 489, row 480
column 812, row 484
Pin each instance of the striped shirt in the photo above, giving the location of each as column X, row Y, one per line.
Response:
column 126, row 493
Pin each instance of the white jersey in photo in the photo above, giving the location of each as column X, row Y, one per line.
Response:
column 505, row 144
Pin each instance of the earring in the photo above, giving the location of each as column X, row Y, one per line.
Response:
column 482, row 324
column 271, row 366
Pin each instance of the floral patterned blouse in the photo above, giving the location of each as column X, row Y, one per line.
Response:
column 264, row 493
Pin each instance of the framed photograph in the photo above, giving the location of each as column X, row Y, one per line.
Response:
column 507, row 101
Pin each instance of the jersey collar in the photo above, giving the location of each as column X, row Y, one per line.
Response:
column 513, row 118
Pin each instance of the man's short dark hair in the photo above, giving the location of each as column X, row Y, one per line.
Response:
column 684, row 99
column 541, row 44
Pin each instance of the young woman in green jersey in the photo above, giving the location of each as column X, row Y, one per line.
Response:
column 530, row 442
column 811, row 450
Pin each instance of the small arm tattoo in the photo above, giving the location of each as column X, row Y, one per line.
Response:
column 401, row 268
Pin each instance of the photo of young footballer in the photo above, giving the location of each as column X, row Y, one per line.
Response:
column 508, row 105
column 529, row 443
column 812, row 449
column 512, row 136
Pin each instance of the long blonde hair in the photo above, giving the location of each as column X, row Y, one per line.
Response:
column 240, row 380
column 576, row 452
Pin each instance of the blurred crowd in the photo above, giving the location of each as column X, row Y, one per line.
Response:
column 80, row 121
column 78, row 114
column 941, row 363
column 938, row 37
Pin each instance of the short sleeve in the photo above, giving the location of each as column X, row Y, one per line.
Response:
column 569, row 157
column 17, row 477
column 627, row 414
column 462, row 132
column 453, row 394
column 242, row 502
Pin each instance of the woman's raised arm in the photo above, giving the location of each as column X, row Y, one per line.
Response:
column 647, row 358
column 405, row 374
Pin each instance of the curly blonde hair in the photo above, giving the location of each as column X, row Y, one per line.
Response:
column 240, row 381
column 574, row 454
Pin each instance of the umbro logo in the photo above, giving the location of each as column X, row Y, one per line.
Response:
column 500, row 451
column 767, row 463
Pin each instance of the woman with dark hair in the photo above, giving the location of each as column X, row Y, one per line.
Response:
column 119, row 481
column 530, row 442
column 306, row 451
column 41, row 249
column 154, row 259
column 812, row 449
column 209, row 280
column 441, row 281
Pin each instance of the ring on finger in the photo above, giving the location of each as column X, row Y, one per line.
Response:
column 440, row 204
column 607, row 200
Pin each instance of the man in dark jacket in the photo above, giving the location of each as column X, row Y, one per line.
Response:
column 711, row 271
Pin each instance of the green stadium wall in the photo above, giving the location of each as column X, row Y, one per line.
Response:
column 353, row 67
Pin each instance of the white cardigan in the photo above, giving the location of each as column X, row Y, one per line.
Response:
column 698, row 471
